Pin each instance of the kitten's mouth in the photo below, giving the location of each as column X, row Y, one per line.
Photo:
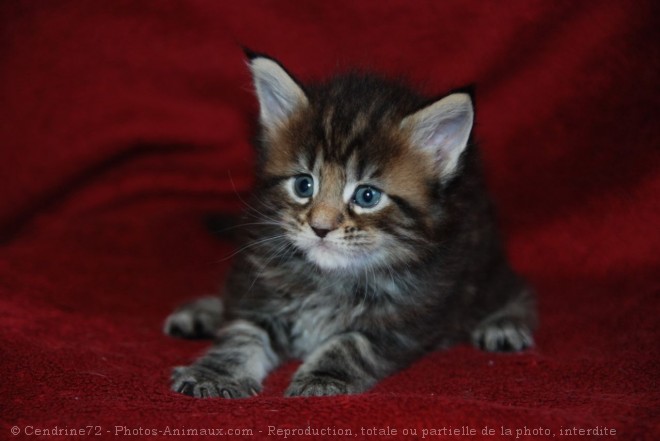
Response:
column 324, row 253
column 324, row 245
column 330, row 254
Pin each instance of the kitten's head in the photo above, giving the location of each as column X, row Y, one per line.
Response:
column 353, row 168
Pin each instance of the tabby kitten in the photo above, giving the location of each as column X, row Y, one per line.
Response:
column 372, row 243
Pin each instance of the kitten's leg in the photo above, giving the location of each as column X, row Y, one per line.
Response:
column 508, row 329
column 233, row 368
column 200, row 318
column 345, row 364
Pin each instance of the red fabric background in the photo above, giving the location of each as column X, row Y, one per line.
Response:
column 121, row 123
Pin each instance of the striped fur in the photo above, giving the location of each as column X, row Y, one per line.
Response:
column 356, row 292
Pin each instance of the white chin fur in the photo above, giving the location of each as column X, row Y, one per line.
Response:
column 329, row 259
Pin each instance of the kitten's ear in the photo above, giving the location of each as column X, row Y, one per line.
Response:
column 278, row 93
column 442, row 129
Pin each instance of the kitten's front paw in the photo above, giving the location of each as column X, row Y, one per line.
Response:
column 198, row 319
column 502, row 336
column 318, row 386
column 201, row 383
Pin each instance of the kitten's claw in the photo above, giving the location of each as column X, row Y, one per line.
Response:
column 199, row 383
column 502, row 336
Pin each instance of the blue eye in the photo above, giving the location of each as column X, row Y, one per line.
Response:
column 303, row 186
column 366, row 197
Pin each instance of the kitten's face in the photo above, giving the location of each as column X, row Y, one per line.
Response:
column 352, row 168
column 364, row 208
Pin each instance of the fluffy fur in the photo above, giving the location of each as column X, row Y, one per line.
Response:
column 356, row 290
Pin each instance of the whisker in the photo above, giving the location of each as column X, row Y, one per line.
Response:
column 233, row 227
column 248, row 206
column 251, row 244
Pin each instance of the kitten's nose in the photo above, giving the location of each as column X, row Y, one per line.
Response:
column 321, row 232
column 323, row 218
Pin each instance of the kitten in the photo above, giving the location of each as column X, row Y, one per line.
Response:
column 372, row 243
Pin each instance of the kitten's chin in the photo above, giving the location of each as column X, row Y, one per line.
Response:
column 328, row 258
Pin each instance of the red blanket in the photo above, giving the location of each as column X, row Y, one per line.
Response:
column 125, row 125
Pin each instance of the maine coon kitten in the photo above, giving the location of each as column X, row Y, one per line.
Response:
column 372, row 242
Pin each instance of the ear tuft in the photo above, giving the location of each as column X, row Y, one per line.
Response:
column 278, row 93
column 442, row 129
column 250, row 54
